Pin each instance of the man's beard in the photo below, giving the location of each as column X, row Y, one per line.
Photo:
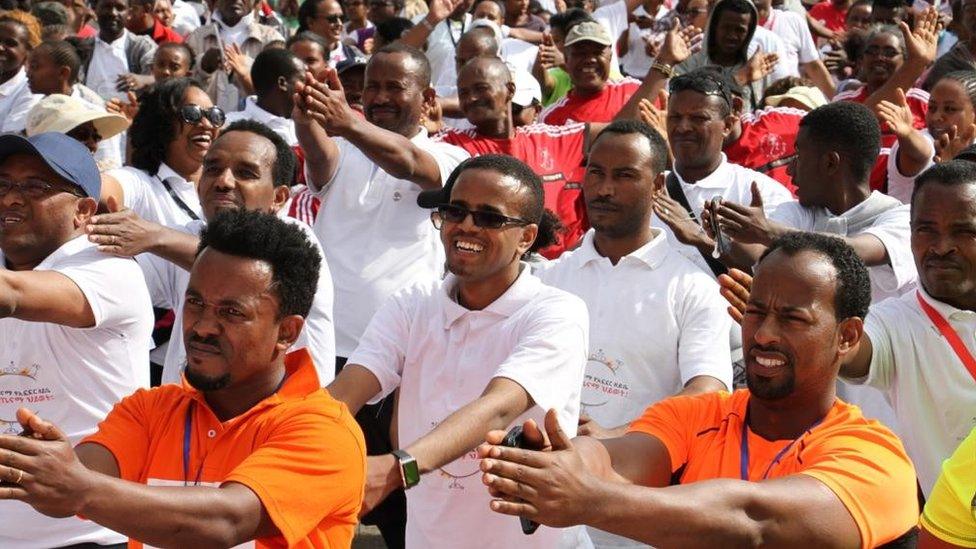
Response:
column 203, row 383
column 771, row 389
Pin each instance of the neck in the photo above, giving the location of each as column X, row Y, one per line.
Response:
column 616, row 247
column 589, row 92
column 34, row 255
column 692, row 174
column 476, row 295
column 105, row 37
column 498, row 128
column 186, row 168
column 457, row 16
column 5, row 76
column 274, row 105
column 230, row 22
column 145, row 25
column 854, row 195
column 963, row 303
column 725, row 59
column 230, row 402
column 66, row 88
column 763, row 13
column 787, row 418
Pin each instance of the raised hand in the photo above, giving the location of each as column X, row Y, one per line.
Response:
column 128, row 110
column 760, row 65
column 678, row 44
column 735, row 288
column 236, row 61
column 439, row 10
column 950, row 144
column 746, row 224
column 548, row 56
column 922, row 43
column 325, row 103
column 897, row 115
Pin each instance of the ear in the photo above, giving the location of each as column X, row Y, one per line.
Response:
column 84, row 210
column 728, row 123
column 281, row 195
column 529, row 234
column 658, row 183
column 850, row 330
column 830, row 162
column 288, row 330
column 283, row 84
column 737, row 105
column 511, row 90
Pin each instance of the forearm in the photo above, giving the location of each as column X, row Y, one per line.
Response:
column 530, row 36
column 914, row 153
column 546, row 81
column 869, row 248
column 181, row 516
column 321, row 153
column 418, row 34
column 176, row 247
column 394, row 153
column 817, row 72
column 649, row 89
column 903, row 78
column 450, row 107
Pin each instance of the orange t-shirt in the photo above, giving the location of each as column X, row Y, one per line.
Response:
column 860, row 460
column 299, row 450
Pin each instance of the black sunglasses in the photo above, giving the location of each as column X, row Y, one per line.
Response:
column 194, row 114
column 703, row 83
column 483, row 219
column 334, row 19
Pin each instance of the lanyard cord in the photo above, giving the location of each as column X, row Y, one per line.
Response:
column 949, row 334
column 450, row 31
column 744, row 449
column 187, row 439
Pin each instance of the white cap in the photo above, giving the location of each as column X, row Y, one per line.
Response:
column 61, row 113
column 499, row 36
column 527, row 88
column 807, row 96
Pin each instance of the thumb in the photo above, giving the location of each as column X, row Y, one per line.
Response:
column 131, row 96
column 547, row 39
column 36, row 427
column 675, row 25
column 332, row 80
column 757, row 200
column 902, row 100
column 557, row 437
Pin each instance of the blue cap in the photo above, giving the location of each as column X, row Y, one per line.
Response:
column 65, row 155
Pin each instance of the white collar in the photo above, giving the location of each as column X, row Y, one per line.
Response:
column 241, row 25
column 117, row 44
column 720, row 178
column 165, row 172
column 650, row 254
column 13, row 85
column 522, row 291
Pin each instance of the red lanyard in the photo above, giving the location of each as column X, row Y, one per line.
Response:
column 951, row 336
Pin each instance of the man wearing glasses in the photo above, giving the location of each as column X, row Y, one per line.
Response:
column 75, row 333
column 487, row 345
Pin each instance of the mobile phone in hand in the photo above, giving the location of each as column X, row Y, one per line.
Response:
column 516, row 439
column 721, row 241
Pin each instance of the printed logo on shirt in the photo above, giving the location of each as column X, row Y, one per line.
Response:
column 601, row 382
column 16, row 397
column 772, row 146
column 464, row 467
column 546, row 162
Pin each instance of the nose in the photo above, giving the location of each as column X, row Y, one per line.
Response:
column 225, row 181
column 942, row 244
column 202, row 321
column 13, row 197
column 767, row 333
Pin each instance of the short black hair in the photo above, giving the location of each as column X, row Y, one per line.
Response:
column 307, row 10
column 272, row 64
column 294, row 259
column 531, row 207
column 179, row 46
column 706, row 82
column 417, row 56
column 393, row 28
column 852, row 296
column 158, row 122
column 569, row 19
column 659, row 147
column 64, row 55
column 308, row 36
column 283, row 171
column 851, row 130
column 951, row 173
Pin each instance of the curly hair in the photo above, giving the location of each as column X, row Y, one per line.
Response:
column 852, row 295
column 157, row 123
column 849, row 128
column 27, row 21
column 283, row 171
column 294, row 259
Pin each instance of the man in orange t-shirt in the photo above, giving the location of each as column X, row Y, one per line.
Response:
column 249, row 448
column 784, row 463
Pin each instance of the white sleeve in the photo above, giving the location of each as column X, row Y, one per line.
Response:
column 893, row 229
column 318, row 188
column 383, row 347
column 16, row 120
column 773, row 193
column 793, row 215
column 549, row 359
column 876, row 327
column 808, row 48
column 614, row 17
column 134, row 189
column 901, row 186
column 111, row 285
column 447, row 157
column 318, row 335
column 703, row 343
column 161, row 279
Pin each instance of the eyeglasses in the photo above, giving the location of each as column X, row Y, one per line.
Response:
column 334, row 19
column 482, row 219
column 36, row 189
column 877, row 51
column 702, row 83
column 194, row 114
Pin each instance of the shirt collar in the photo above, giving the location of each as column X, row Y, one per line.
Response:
column 11, row 86
column 241, row 25
column 721, row 178
column 70, row 247
column 947, row 311
column 523, row 290
column 117, row 44
column 255, row 111
column 650, row 254
column 165, row 172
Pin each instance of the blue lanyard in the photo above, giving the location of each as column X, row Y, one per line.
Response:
column 187, row 439
column 744, row 449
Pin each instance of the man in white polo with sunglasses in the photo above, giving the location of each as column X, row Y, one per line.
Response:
column 489, row 345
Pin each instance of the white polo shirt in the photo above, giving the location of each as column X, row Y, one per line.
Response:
column 108, row 62
column 167, row 285
column 147, row 196
column 73, row 376
column 933, row 394
column 285, row 127
column 442, row 356
column 733, row 183
column 375, row 236
column 16, row 100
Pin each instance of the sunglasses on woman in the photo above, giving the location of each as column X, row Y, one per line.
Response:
column 194, row 114
column 485, row 220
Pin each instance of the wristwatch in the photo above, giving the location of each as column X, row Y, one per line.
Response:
column 409, row 470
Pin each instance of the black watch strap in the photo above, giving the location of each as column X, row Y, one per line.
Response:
column 409, row 470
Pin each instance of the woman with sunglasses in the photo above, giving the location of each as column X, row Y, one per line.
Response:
column 169, row 137
column 324, row 18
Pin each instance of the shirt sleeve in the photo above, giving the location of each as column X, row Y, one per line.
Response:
column 16, row 120
column 447, row 157
column 867, row 469
column 133, row 189
column 793, row 215
column 876, row 327
column 672, row 421
column 549, row 359
column 113, row 300
column 383, row 348
column 950, row 512
column 125, row 433
column 323, row 455
column 901, row 186
column 892, row 229
column 703, row 344
column 808, row 49
column 161, row 280
column 614, row 17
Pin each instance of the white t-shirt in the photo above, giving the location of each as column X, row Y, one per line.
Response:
column 147, row 196
column 442, row 356
column 773, row 43
column 108, row 62
column 792, row 29
column 933, row 394
column 375, row 236
column 613, row 17
column 441, row 48
column 733, row 183
column 16, row 100
column 73, row 376
column 901, row 186
column 636, row 62
column 185, row 17
column 656, row 321
column 285, row 127
column 167, row 285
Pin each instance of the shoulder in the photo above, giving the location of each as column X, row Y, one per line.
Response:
column 545, row 131
column 918, row 95
column 140, row 42
column 857, row 95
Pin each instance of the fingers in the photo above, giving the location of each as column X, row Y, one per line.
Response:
column 520, row 509
column 744, row 280
column 19, row 445
column 557, row 437
column 900, row 94
column 40, row 428
column 112, row 204
column 757, row 199
column 495, row 436
column 501, row 487
column 735, row 314
column 13, row 475
column 15, row 493
column 503, row 458
column 534, row 437
column 332, row 79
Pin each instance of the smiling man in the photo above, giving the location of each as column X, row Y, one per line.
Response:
column 16, row 98
column 214, row 462
column 782, row 463
column 487, row 345
column 120, row 60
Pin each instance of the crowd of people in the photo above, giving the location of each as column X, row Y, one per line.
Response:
column 632, row 272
